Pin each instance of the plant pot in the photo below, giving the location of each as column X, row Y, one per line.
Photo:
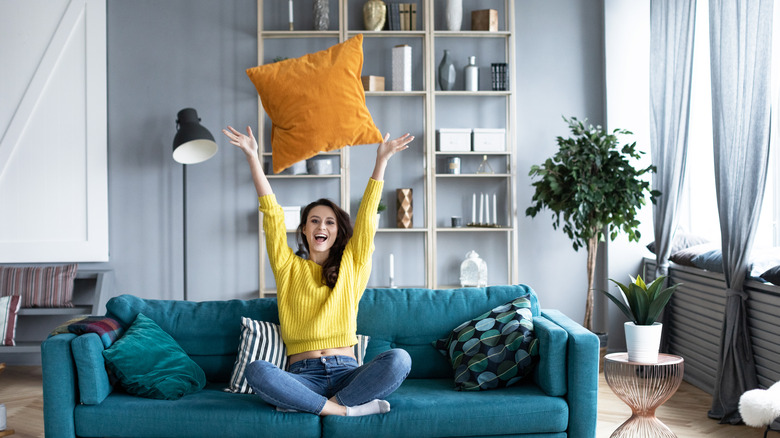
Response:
column 643, row 342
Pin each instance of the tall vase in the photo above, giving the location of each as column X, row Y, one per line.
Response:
column 446, row 73
column 321, row 14
column 454, row 14
column 374, row 14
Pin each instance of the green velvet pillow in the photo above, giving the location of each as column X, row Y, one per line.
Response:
column 149, row 363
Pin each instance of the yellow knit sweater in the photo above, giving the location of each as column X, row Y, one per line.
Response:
column 312, row 315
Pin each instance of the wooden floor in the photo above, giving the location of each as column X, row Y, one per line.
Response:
column 685, row 413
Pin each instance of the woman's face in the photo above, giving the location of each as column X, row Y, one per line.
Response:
column 321, row 229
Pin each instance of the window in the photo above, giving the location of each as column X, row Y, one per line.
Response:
column 699, row 208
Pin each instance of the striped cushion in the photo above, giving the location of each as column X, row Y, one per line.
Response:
column 262, row 340
column 9, row 306
column 39, row 286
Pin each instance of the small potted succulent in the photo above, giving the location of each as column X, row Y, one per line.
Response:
column 642, row 304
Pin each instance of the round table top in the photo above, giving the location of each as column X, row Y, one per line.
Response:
column 663, row 359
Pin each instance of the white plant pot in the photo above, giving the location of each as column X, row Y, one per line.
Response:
column 643, row 342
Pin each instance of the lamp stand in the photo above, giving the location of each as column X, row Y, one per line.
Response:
column 184, row 228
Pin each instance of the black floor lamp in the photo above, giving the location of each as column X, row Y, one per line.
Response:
column 192, row 144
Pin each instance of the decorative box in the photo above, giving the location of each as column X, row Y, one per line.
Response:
column 453, row 140
column 484, row 19
column 373, row 83
column 489, row 140
column 292, row 217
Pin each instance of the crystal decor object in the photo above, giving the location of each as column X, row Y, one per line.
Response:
column 484, row 166
column 473, row 271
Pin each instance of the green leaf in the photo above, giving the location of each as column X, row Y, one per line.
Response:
column 658, row 304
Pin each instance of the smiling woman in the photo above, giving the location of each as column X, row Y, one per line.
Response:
column 318, row 292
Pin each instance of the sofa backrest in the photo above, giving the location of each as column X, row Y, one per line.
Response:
column 411, row 319
column 209, row 331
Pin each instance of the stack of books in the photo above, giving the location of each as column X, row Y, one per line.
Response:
column 500, row 79
column 401, row 16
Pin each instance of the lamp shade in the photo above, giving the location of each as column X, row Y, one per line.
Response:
column 193, row 143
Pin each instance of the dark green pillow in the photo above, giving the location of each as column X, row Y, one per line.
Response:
column 149, row 363
column 494, row 350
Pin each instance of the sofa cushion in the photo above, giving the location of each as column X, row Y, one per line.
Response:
column 210, row 412
column 494, row 350
column 262, row 340
column 413, row 318
column 94, row 385
column 212, row 346
column 316, row 103
column 430, row 408
column 149, row 363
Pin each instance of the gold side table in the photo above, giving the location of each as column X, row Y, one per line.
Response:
column 643, row 387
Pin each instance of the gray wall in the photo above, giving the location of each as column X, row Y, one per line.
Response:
column 167, row 55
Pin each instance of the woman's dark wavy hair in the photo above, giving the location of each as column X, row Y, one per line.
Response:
column 330, row 269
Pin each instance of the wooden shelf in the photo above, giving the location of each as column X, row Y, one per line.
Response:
column 431, row 188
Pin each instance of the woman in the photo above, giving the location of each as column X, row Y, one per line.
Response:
column 318, row 300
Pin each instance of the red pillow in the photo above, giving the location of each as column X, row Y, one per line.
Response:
column 9, row 307
column 39, row 286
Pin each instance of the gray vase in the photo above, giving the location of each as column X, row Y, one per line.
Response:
column 446, row 73
column 321, row 11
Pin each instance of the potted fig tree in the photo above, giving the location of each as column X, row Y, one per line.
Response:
column 592, row 190
column 642, row 304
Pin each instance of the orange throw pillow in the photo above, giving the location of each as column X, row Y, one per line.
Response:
column 316, row 103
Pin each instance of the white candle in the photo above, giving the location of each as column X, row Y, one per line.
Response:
column 481, row 205
column 487, row 209
column 474, row 208
column 392, row 268
column 291, row 13
column 495, row 218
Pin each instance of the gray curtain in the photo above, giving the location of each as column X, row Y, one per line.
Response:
column 741, row 47
column 671, row 68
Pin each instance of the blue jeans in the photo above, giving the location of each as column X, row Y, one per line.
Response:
column 310, row 383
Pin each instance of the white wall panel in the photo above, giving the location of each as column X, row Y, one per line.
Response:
column 53, row 178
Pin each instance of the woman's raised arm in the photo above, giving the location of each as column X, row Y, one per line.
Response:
column 248, row 144
column 386, row 150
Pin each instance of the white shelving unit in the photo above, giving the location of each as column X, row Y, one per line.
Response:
column 432, row 240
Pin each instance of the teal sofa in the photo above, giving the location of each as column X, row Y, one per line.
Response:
column 557, row 400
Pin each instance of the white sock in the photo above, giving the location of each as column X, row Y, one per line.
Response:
column 373, row 407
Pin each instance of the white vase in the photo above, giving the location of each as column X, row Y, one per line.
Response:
column 643, row 342
column 454, row 14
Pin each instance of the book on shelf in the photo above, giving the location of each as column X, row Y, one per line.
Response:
column 401, row 16
column 500, row 79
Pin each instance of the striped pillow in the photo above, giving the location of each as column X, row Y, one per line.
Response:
column 39, row 286
column 9, row 306
column 262, row 340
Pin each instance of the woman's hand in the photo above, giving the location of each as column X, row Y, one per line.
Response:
column 387, row 149
column 246, row 143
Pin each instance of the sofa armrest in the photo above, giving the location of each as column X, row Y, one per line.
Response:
column 94, row 384
column 550, row 373
column 582, row 365
column 59, row 386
